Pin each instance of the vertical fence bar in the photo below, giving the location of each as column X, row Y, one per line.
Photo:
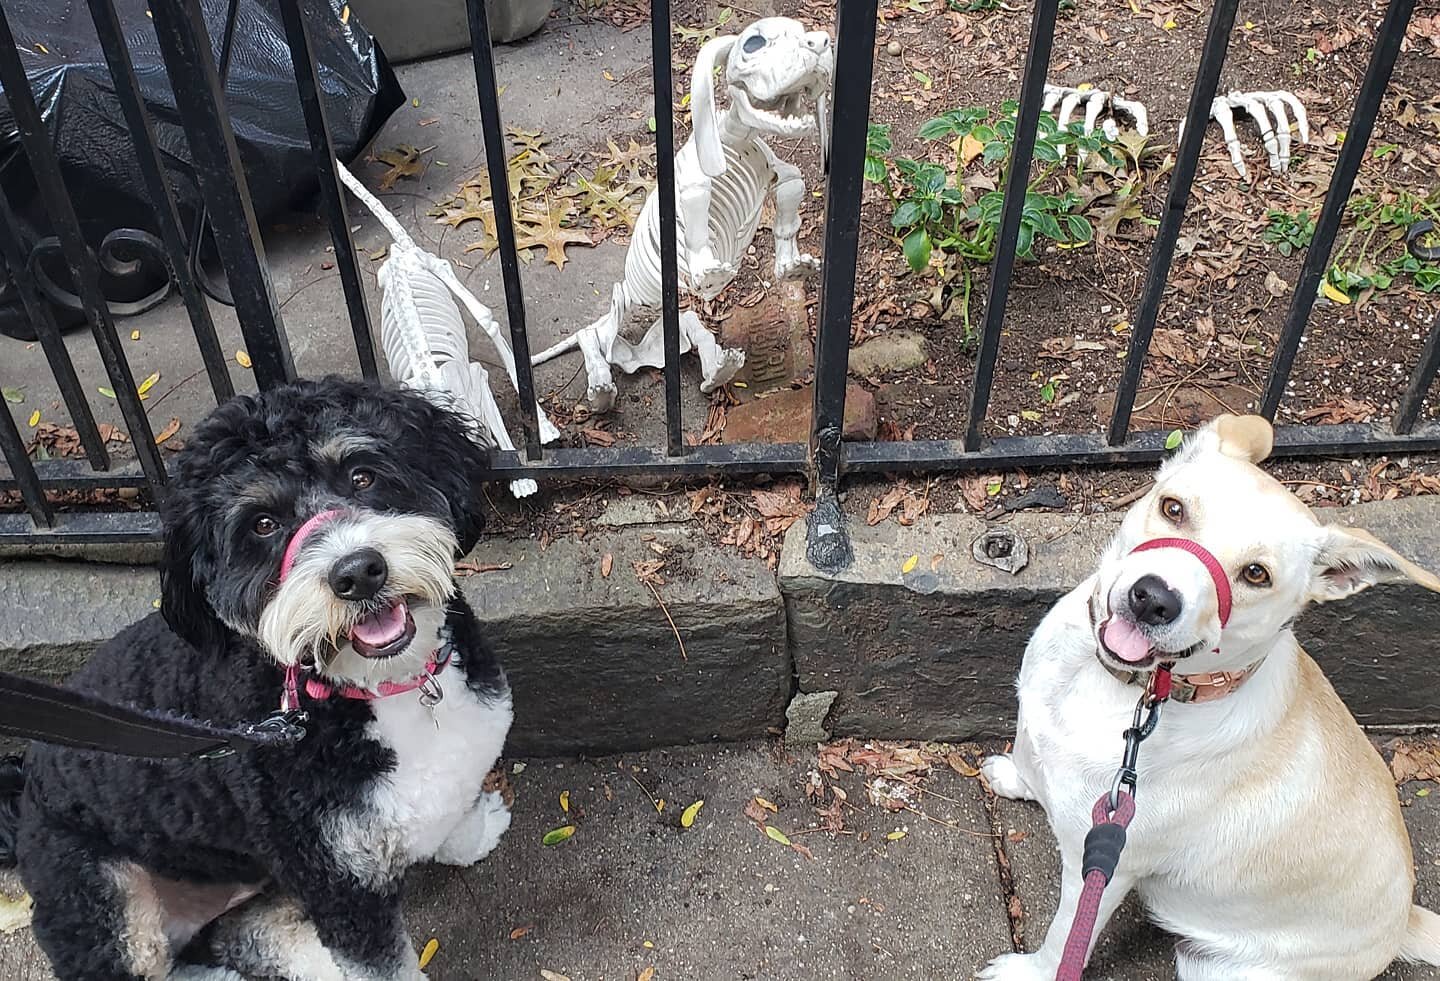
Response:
column 13, row 448
column 45, row 166
column 167, row 216
column 51, row 342
column 492, row 127
column 332, row 200
column 1420, row 382
column 1162, row 253
column 854, row 61
column 1342, row 179
column 200, row 100
column 665, row 186
column 1017, row 182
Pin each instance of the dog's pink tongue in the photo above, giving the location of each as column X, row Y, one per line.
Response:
column 379, row 629
column 1123, row 639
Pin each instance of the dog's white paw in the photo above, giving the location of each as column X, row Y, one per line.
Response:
column 1017, row 967
column 1004, row 778
column 478, row 832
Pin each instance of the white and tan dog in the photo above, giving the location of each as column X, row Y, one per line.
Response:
column 1268, row 835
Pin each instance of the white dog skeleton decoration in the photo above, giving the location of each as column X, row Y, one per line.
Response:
column 773, row 70
column 423, row 334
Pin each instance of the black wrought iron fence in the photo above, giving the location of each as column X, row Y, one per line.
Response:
column 200, row 103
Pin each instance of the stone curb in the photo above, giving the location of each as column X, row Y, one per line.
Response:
column 925, row 652
column 930, row 648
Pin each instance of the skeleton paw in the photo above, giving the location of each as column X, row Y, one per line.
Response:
column 798, row 267
column 601, row 397
column 478, row 832
column 709, row 278
column 1004, row 778
column 1268, row 109
column 728, row 365
column 1017, row 967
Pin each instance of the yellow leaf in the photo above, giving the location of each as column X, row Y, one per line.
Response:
column 34, row 418
column 1121, row 327
column 558, row 835
column 1249, row 25
column 909, row 565
column 134, row 335
column 895, row 835
column 14, row 913
column 345, row 14
column 648, row 945
column 688, row 817
column 775, row 834
column 147, row 384
column 242, row 359
column 565, row 801
column 1084, row 87
column 608, row 76
column 109, row 393
column 660, row 805
column 767, row 805
column 970, row 148
column 1328, row 288
column 428, row 954
column 1170, row 24
column 1030, row 415
column 155, row 603
column 646, row 974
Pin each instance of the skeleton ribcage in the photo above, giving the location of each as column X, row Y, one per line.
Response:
column 736, row 197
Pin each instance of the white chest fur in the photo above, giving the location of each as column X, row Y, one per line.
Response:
column 442, row 755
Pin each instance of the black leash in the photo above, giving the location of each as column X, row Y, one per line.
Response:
column 33, row 710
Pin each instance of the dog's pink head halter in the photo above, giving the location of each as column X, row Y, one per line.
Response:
column 290, row 698
column 1211, row 563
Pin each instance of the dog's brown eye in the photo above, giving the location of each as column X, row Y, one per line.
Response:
column 1173, row 510
column 362, row 479
column 265, row 526
column 1256, row 574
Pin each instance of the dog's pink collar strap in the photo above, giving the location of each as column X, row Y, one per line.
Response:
column 292, row 547
column 1211, row 563
column 425, row 681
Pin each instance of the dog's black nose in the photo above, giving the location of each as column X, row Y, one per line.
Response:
column 1153, row 602
column 359, row 575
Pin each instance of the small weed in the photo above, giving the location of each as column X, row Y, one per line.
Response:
column 1374, row 253
column 1288, row 232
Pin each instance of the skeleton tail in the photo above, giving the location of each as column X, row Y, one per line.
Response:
column 620, row 304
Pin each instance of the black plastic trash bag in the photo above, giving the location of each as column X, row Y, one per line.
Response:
column 73, row 88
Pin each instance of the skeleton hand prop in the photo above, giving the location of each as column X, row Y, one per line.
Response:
column 1100, row 106
column 778, row 76
column 1261, row 106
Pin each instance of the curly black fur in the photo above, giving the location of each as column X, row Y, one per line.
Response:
column 255, row 817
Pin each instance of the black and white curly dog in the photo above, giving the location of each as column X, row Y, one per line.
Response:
column 314, row 525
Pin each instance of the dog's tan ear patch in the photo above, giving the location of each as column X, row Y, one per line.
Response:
column 1248, row 438
column 1351, row 559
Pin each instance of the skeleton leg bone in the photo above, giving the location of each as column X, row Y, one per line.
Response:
column 790, row 262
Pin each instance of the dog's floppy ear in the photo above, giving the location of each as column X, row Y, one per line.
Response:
column 1350, row 560
column 702, row 105
column 1249, row 438
column 463, row 462
column 182, row 603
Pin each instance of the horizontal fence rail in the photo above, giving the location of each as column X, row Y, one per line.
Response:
column 187, row 49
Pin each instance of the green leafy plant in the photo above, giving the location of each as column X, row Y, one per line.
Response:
column 1288, row 232
column 1374, row 253
column 946, row 220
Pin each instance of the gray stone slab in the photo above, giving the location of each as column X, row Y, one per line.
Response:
column 932, row 653
column 1131, row 948
column 594, row 661
column 55, row 613
column 719, row 900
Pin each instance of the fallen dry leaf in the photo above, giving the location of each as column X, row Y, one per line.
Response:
column 171, row 428
column 607, row 563
column 404, row 161
column 519, row 932
column 1415, row 759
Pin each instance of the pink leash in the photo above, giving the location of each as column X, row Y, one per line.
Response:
column 1115, row 809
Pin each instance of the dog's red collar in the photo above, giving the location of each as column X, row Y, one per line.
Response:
column 1211, row 563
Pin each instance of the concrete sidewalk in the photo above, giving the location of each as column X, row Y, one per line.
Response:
column 894, row 895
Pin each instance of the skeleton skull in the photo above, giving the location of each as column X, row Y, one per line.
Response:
column 778, row 75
